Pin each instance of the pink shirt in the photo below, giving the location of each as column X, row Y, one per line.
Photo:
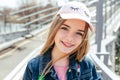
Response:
column 61, row 72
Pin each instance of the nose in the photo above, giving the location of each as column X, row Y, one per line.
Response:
column 70, row 37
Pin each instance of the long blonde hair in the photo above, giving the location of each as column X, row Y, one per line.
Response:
column 81, row 50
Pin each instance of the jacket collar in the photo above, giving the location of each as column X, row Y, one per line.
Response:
column 46, row 57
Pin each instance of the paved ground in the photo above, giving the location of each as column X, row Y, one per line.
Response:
column 13, row 57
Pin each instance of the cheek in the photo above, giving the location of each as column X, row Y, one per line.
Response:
column 60, row 35
column 78, row 42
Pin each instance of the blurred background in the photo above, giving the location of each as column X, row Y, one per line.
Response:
column 24, row 25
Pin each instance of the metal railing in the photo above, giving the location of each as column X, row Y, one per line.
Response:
column 36, row 13
column 35, row 20
column 106, row 73
column 26, row 9
column 21, row 30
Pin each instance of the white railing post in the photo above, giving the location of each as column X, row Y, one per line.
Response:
column 105, row 56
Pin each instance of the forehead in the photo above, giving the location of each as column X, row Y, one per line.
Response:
column 75, row 23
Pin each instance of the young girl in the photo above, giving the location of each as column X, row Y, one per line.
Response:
column 64, row 54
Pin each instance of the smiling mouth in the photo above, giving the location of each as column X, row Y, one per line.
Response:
column 66, row 44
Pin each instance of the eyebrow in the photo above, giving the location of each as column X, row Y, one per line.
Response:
column 69, row 27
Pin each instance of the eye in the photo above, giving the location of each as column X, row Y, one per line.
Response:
column 79, row 33
column 64, row 28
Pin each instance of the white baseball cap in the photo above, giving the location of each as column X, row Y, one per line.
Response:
column 76, row 10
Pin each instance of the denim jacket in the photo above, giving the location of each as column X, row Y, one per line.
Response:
column 87, row 69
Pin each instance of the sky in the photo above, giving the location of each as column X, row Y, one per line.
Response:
column 13, row 3
column 9, row 3
column 16, row 3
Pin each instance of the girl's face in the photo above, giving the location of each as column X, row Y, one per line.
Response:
column 69, row 35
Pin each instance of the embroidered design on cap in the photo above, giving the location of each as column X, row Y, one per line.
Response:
column 86, row 14
column 75, row 9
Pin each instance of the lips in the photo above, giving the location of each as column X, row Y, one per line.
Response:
column 66, row 44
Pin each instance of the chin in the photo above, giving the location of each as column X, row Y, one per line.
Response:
column 66, row 51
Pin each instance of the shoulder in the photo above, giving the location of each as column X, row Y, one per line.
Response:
column 32, row 69
column 87, row 62
column 34, row 63
column 34, row 60
column 88, row 70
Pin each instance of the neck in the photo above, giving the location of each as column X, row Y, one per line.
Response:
column 57, row 55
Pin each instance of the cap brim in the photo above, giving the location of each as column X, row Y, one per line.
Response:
column 75, row 16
